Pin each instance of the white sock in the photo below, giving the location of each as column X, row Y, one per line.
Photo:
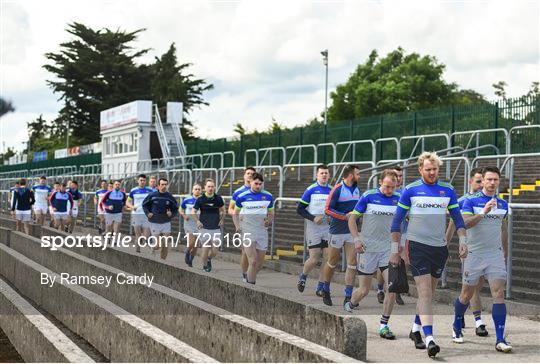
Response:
column 478, row 323
column 429, row 339
column 416, row 327
column 382, row 326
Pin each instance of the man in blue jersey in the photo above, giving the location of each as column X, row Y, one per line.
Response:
column 99, row 211
column 339, row 205
column 152, row 183
column 41, row 194
column 190, row 226
column 427, row 200
column 485, row 215
column 475, row 185
column 139, row 221
column 113, row 203
column 311, row 208
column 61, row 202
column 373, row 245
column 255, row 209
column 248, row 173
column 78, row 199
column 161, row 207
column 22, row 206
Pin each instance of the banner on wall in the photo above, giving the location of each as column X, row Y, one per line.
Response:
column 60, row 153
column 40, row 156
column 132, row 112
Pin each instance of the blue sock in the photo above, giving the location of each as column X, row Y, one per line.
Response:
column 428, row 330
column 320, row 286
column 477, row 315
column 380, row 287
column 498, row 312
column 459, row 311
column 303, row 277
column 326, row 287
column 417, row 320
column 348, row 291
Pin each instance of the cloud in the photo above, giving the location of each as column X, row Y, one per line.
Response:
column 263, row 57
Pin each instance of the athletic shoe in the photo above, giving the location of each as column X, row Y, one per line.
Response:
column 399, row 300
column 301, row 285
column 207, row 268
column 432, row 349
column 481, row 331
column 349, row 306
column 191, row 258
column 244, row 277
column 319, row 293
column 380, row 296
column 100, row 231
column 457, row 336
column 417, row 338
column 327, row 300
column 503, row 347
column 385, row 333
column 187, row 257
column 209, row 264
column 347, row 299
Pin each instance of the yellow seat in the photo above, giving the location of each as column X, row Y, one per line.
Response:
column 285, row 253
column 537, row 183
column 528, row 187
column 298, row 248
column 269, row 257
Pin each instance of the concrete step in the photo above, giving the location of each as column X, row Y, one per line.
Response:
column 34, row 337
column 174, row 313
column 89, row 315
column 279, row 311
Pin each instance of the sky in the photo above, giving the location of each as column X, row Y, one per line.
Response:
column 263, row 57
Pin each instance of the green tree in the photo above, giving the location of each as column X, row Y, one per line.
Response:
column 500, row 89
column 5, row 107
column 397, row 82
column 10, row 152
column 93, row 72
column 170, row 82
column 240, row 129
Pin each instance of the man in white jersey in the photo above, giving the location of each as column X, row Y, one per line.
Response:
column 190, row 226
column 104, row 187
column 139, row 221
column 485, row 215
column 311, row 208
column 41, row 193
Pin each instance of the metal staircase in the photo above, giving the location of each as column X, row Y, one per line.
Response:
column 170, row 137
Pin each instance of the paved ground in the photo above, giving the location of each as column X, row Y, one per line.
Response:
column 523, row 334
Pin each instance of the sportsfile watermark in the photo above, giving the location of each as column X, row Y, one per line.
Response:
column 202, row 239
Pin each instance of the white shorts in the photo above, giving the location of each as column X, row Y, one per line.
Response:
column 75, row 212
column 111, row 218
column 260, row 239
column 190, row 227
column 491, row 266
column 315, row 237
column 338, row 240
column 59, row 216
column 23, row 215
column 209, row 236
column 40, row 209
column 140, row 220
column 368, row 262
column 157, row 229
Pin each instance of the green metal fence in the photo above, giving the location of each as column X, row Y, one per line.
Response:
column 75, row 161
column 501, row 114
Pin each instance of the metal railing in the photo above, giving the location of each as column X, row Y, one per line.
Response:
column 421, row 139
column 353, row 144
column 298, row 149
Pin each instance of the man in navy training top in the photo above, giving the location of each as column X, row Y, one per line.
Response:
column 61, row 202
column 475, row 185
column 427, row 200
column 339, row 205
column 317, row 234
column 22, row 206
column 113, row 203
column 78, row 198
column 485, row 215
column 161, row 207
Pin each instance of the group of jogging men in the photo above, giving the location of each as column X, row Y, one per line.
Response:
column 409, row 223
column 397, row 223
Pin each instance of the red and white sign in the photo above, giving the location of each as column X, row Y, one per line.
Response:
column 132, row 112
